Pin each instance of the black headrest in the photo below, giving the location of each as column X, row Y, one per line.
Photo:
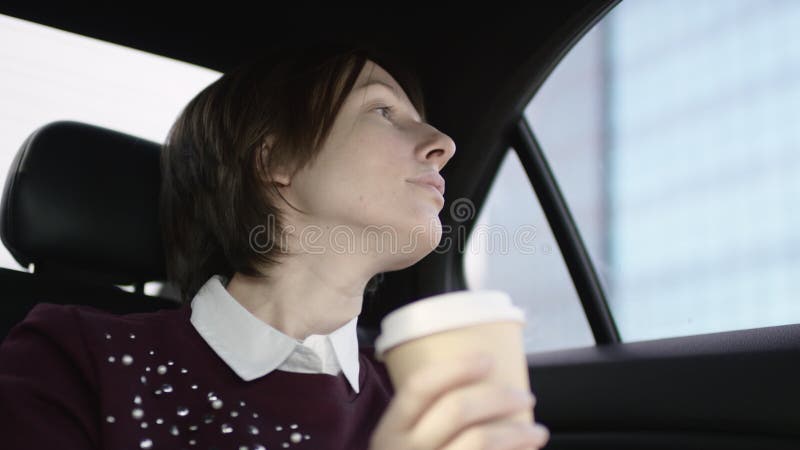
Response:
column 83, row 199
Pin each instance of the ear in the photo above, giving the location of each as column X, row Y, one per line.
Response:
column 277, row 175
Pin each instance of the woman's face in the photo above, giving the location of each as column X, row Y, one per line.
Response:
column 358, row 188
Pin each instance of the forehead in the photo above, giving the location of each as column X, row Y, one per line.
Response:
column 373, row 73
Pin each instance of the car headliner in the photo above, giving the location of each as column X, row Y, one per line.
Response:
column 479, row 67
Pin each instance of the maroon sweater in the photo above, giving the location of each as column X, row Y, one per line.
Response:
column 75, row 377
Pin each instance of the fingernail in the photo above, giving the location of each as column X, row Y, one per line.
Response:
column 541, row 429
column 523, row 393
column 483, row 361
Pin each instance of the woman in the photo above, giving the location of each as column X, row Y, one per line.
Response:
column 289, row 185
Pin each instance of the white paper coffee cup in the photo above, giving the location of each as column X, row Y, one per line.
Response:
column 449, row 326
column 444, row 312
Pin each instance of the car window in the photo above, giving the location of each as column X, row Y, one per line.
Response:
column 512, row 248
column 672, row 128
column 48, row 75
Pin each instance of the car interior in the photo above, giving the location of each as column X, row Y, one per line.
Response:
column 79, row 209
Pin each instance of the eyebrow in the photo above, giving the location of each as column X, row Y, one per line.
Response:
column 378, row 83
column 384, row 84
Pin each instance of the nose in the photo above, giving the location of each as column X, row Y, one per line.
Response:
column 437, row 148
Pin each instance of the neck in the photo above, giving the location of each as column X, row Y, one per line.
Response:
column 305, row 294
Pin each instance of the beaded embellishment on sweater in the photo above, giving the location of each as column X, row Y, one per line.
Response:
column 159, row 379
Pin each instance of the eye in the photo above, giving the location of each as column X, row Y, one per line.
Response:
column 389, row 111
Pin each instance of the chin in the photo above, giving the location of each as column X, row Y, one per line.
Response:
column 412, row 239
column 404, row 261
column 422, row 244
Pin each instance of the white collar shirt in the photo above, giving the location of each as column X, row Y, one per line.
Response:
column 252, row 348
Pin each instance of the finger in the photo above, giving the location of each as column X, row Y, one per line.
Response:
column 426, row 385
column 500, row 436
column 466, row 406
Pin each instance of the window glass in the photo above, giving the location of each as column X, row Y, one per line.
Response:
column 672, row 128
column 511, row 248
column 48, row 75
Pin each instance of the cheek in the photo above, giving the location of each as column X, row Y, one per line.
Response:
column 370, row 185
column 383, row 163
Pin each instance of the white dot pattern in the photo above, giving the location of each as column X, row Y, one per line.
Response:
column 241, row 415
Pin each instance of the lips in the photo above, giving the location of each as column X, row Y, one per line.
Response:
column 430, row 178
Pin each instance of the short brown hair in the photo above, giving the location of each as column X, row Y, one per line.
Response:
column 215, row 187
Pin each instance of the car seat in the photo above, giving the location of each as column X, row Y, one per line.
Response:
column 80, row 207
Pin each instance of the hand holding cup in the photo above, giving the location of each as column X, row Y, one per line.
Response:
column 445, row 397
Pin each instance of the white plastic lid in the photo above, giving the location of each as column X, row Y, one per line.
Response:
column 444, row 312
